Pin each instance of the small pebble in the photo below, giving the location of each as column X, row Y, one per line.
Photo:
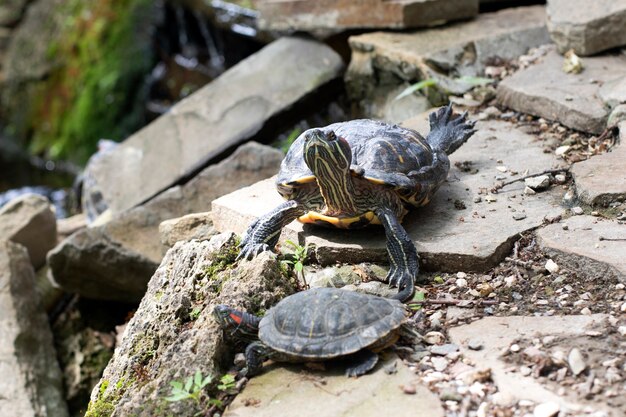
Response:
column 525, row 370
column 585, row 311
column 622, row 330
column 576, row 361
column 620, row 286
column 623, row 308
column 440, row 364
column 477, row 199
column 538, row 183
column 577, row 211
column 408, row 389
column 546, row 410
column 595, row 213
column 519, row 216
column 510, row 280
column 514, row 347
column 565, row 226
column 443, row 350
column 551, row 266
column 450, row 395
column 461, row 275
column 560, row 151
column 434, row 338
column 560, row 178
column 461, row 283
column 475, row 344
column 529, row 191
column 240, row 361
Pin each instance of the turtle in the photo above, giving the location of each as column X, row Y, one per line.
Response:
column 316, row 325
column 361, row 172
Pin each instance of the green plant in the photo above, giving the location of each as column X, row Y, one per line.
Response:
column 227, row 383
column 191, row 389
column 416, row 303
column 286, row 143
column 429, row 82
column 297, row 258
column 195, row 313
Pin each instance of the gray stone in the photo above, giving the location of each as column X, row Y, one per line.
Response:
column 282, row 389
column 383, row 61
column 499, row 333
column 229, row 111
column 192, row 226
column 539, row 183
column 601, row 179
column 587, row 27
column 332, row 16
column 173, row 333
column 591, row 246
column 443, row 350
column 576, row 361
column 116, row 259
column 544, row 90
column 30, row 221
column 613, row 92
column 617, row 116
column 332, row 276
column 446, row 239
column 31, row 383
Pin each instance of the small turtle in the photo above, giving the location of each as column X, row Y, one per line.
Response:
column 316, row 325
column 362, row 172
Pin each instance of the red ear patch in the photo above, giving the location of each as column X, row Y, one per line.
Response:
column 236, row 318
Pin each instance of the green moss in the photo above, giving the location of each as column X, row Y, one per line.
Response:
column 144, row 348
column 104, row 405
column 222, row 260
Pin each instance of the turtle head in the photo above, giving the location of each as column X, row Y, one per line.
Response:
column 242, row 325
column 326, row 153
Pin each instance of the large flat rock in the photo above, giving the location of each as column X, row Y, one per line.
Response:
column 284, row 389
column 496, row 334
column 474, row 238
column 340, row 15
column 545, row 90
column 585, row 26
column 591, row 245
column 386, row 61
column 601, row 179
column 31, row 382
column 223, row 114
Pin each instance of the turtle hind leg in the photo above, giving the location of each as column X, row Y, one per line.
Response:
column 362, row 361
column 256, row 354
column 448, row 134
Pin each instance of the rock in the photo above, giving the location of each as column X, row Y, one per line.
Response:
column 499, row 333
column 475, row 344
column 383, row 61
column 332, row 16
column 585, row 27
column 613, row 92
column 576, row 361
column 617, row 116
column 582, row 249
column 446, row 239
column 30, row 221
column 70, row 225
column 538, row 183
column 31, row 382
column 552, row 266
column 434, row 338
column 115, row 260
column 169, row 343
column 332, row 276
column 591, row 175
column 544, row 90
column 440, row 364
column 578, row 211
column 248, row 94
column 192, row 226
column 443, row 350
column 374, row 394
column 546, row 410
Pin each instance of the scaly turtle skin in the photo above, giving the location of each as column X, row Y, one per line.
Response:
column 316, row 325
column 363, row 172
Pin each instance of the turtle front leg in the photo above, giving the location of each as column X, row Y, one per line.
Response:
column 402, row 254
column 256, row 354
column 264, row 232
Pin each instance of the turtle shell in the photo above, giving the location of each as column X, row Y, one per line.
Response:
column 328, row 322
column 378, row 148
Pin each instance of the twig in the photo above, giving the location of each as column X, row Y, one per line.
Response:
column 454, row 301
column 612, row 239
column 525, row 264
column 501, row 185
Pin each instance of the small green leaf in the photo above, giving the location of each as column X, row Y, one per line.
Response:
column 438, row 280
column 429, row 82
column 207, row 380
column 176, row 385
column 188, row 383
column 419, row 296
column 197, row 378
column 177, row 397
column 298, row 266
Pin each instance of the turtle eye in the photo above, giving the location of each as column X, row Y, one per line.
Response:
column 331, row 136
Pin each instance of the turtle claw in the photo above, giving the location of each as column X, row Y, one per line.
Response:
column 250, row 250
column 404, row 280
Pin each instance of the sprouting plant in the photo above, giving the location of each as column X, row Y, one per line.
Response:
column 192, row 388
column 227, row 383
column 298, row 258
column 429, row 82
column 195, row 313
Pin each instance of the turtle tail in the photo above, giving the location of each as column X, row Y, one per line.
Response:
column 448, row 134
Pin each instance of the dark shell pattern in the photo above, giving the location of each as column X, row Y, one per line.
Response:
column 377, row 147
column 329, row 322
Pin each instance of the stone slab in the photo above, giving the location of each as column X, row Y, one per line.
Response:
column 283, row 389
column 30, row 221
column 601, row 179
column 31, row 382
column 613, row 93
column 223, row 114
column 383, row 61
column 587, row 27
column 545, row 90
column 448, row 239
column 584, row 247
column 496, row 334
column 339, row 15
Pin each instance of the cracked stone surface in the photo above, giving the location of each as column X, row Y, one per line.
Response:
column 496, row 334
column 545, row 90
column 339, row 15
column 449, row 239
column 601, row 179
column 587, row 27
column 385, row 61
column 196, row 129
column 282, row 389
column 588, row 245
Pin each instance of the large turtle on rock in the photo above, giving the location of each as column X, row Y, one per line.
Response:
column 317, row 325
column 362, row 172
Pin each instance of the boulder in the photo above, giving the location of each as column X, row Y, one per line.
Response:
column 592, row 176
column 449, row 232
column 332, row 16
column 587, row 27
column 115, row 260
column 545, row 90
column 197, row 226
column 223, row 114
column 173, row 334
column 384, row 61
column 30, row 221
column 592, row 246
column 31, row 382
